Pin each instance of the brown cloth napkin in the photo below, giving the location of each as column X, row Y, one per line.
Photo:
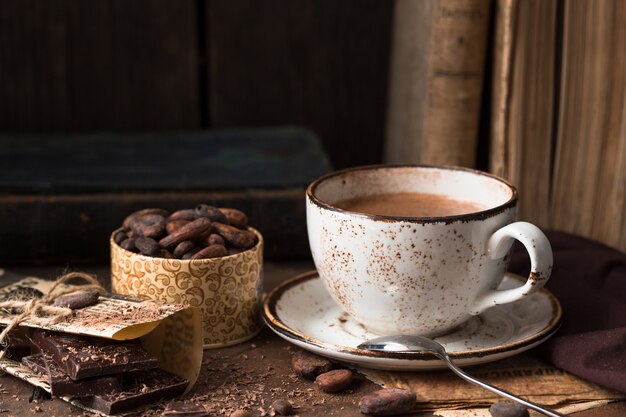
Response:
column 589, row 279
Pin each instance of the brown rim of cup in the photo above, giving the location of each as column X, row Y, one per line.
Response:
column 479, row 215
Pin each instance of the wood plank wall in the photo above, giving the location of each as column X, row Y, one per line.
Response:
column 73, row 65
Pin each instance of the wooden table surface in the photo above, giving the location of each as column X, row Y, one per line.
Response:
column 250, row 375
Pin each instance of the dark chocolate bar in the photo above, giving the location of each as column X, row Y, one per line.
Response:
column 16, row 347
column 184, row 409
column 62, row 385
column 143, row 388
column 82, row 357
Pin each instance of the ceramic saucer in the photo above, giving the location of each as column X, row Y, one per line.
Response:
column 301, row 311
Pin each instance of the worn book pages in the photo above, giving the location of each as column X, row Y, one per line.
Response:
column 523, row 98
column 589, row 191
column 523, row 375
column 484, row 412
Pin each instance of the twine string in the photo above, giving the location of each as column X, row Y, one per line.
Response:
column 35, row 306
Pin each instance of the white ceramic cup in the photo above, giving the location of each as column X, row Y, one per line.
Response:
column 410, row 275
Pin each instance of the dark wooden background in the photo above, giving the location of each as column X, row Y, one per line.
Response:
column 155, row 65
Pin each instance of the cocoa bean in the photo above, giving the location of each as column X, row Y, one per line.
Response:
column 149, row 225
column 241, row 239
column 143, row 212
column 190, row 231
column 282, row 407
column 129, row 244
column 213, row 251
column 334, row 381
column 120, row 237
column 76, row 300
column 241, row 413
column 187, row 214
column 174, row 225
column 164, row 253
column 508, row 409
column 183, row 247
column 215, row 239
column 211, row 213
column 147, row 246
column 308, row 365
column 388, row 402
column 192, row 252
column 235, row 217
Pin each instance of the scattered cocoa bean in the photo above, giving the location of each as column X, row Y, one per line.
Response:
column 241, row 239
column 235, row 217
column 213, row 251
column 211, row 213
column 143, row 212
column 190, row 231
column 241, row 413
column 164, row 253
column 183, row 247
column 174, row 225
column 149, row 225
column 282, row 407
column 308, row 365
column 215, row 239
column 129, row 244
column 120, row 237
column 388, row 402
column 76, row 300
column 187, row 214
column 147, row 246
column 508, row 409
column 192, row 252
column 334, row 381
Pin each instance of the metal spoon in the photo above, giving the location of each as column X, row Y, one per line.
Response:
column 406, row 343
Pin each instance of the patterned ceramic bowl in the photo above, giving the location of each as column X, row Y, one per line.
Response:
column 226, row 289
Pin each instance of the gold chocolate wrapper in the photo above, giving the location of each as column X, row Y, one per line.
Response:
column 227, row 290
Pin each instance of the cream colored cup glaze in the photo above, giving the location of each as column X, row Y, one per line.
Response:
column 419, row 275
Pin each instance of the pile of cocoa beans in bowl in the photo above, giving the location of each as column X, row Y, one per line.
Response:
column 203, row 232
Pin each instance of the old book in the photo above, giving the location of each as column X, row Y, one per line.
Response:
column 523, row 101
column 558, row 120
column 437, row 70
column 589, row 195
column 63, row 195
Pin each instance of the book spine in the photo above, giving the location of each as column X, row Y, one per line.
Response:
column 501, row 83
column 438, row 61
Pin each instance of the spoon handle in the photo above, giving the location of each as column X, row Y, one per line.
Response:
column 499, row 391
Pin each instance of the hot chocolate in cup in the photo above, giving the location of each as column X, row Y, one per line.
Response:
column 418, row 249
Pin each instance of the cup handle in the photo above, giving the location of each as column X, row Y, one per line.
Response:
column 540, row 251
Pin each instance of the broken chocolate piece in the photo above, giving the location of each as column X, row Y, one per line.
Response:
column 141, row 389
column 62, row 385
column 82, row 357
column 184, row 409
column 16, row 347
